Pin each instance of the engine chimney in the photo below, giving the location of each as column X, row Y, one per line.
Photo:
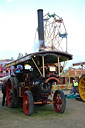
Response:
column 41, row 29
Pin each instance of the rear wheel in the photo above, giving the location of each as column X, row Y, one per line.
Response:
column 28, row 104
column 59, row 101
column 11, row 93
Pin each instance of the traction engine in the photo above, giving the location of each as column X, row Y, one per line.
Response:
column 33, row 85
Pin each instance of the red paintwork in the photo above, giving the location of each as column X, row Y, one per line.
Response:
column 58, row 102
column 9, row 93
column 26, row 104
column 50, row 78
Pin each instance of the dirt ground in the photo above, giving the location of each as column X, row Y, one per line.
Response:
column 73, row 117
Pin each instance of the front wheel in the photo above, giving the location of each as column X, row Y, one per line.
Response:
column 59, row 101
column 28, row 104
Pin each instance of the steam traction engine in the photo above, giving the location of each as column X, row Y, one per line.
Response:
column 33, row 85
column 81, row 82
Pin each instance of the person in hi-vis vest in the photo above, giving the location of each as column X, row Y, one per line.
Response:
column 75, row 86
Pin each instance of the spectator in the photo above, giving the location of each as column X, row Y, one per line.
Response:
column 75, row 86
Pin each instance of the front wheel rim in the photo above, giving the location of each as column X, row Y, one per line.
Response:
column 26, row 104
column 58, row 102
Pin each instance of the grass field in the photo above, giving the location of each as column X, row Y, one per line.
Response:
column 44, row 116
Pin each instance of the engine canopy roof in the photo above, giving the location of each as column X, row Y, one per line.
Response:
column 49, row 56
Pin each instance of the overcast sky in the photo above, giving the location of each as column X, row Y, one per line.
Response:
column 18, row 23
